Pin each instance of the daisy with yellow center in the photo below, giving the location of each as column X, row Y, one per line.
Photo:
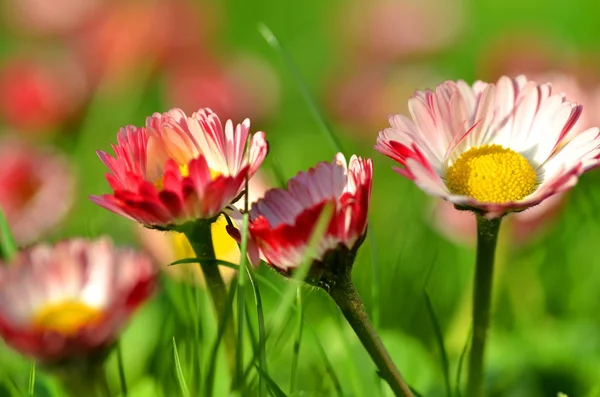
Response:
column 495, row 148
column 180, row 168
column 71, row 300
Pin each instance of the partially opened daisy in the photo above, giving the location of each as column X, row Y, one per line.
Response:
column 281, row 224
column 495, row 148
column 179, row 168
column 286, row 222
column 71, row 300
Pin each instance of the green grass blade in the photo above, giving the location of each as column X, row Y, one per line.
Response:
column 121, row 368
column 337, row 385
column 272, row 40
column 440, row 341
column 219, row 262
column 299, row 326
column 8, row 247
column 212, row 364
column 375, row 278
column 31, row 383
column 275, row 389
column 180, row 378
column 461, row 360
column 241, row 295
column 276, row 321
column 262, row 352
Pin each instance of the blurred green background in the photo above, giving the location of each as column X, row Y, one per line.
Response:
column 74, row 71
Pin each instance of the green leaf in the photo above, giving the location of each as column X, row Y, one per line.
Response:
column 204, row 260
column 180, row 378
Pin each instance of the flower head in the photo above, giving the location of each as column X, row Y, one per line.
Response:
column 282, row 223
column 71, row 300
column 179, row 168
column 31, row 182
column 494, row 148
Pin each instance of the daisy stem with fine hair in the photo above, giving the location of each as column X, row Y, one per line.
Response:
column 199, row 235
column 346, row 297
column 487, row 235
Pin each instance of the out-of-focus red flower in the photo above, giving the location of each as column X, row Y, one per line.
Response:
column 170, row 246
column 523, row 52
column 178, row 168
column 243, row 86
column 391, row 29
column 43, row 17
column 460, row 226
column 71, row 300
column 36, row 190
column 282, row 223
column 362, row 98
column 128, row 35
column 36, row 95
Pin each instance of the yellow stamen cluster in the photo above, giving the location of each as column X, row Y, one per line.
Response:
column 65, row 317
column 491, row 174
column 183, row 169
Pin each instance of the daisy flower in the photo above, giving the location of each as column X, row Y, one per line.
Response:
column 178, row 168
column 281, row 224
column 495, row 148
column 31, row 181
column 72, row 299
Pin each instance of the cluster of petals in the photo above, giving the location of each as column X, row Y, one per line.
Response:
column 282, row 223
column 33, row 180
column 517, row 114
column 107, row 281
column 179, row 168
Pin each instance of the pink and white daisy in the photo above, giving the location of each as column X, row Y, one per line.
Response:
column 178, row 168
column 281, row 224
column 36, row 189
column 71, row 299
column 495, row 148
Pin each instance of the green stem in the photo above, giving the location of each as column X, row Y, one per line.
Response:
column 346, row 297
column 87, row 379
column 487, row 235
column 200, row 237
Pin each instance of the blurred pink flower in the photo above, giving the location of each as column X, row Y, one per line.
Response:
column 36, row 190
column 460, row 226
column 523, row 52
column 390, row 29
column 370, row 91
column 128, row 35
column 36, row 95
column 167, row 247
column 243, row 86
column 43, row 17
column 71, row 300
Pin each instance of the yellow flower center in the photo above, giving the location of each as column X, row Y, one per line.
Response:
column 491, row 174
column 224, row 245
column 66, row 317
column 184, row 171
